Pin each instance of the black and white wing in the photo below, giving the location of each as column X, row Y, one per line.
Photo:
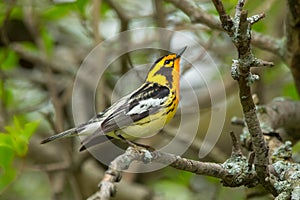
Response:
column 146, row 100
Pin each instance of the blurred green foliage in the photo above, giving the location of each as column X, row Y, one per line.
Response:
column 14, row 143
column 9, row 59
column 17, row 131
column 15, row 137
column 290, row 91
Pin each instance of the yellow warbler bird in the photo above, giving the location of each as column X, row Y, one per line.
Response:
column 141, row 113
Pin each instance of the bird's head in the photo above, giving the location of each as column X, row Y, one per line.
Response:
column 166, row 70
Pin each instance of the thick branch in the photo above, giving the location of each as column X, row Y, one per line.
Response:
column 241, row 72
column 234, row 172
column 200, row 168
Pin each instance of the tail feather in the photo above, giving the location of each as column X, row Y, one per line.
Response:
column 98, row 137
column 67, row 133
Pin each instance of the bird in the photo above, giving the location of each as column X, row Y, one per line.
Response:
column 141, row 113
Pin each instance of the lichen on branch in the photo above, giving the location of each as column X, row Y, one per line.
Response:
column 238, row 29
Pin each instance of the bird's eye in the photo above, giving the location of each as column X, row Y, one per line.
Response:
column 167, row 62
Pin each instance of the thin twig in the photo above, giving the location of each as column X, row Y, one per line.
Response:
column 251, row 160
column 40, row 60
column 236, row 148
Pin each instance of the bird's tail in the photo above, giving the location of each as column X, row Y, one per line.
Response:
column 67, row 133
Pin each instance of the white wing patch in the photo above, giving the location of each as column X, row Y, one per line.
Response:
column 145, row 105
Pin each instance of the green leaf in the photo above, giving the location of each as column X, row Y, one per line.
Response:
column 7, row 172
column 30, row 129
column 7, row 178
column 6, row 141
column 20, row 135
column 6, row 94
column 14, row 143
column 6, row 157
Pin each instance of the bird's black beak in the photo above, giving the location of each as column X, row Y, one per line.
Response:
column 180, row 52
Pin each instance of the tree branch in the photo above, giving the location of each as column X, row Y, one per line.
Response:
column 281, row 114
column 40, row 59
column 279, row 122
column 234, row 172
column 197, row 15
column 239, row 29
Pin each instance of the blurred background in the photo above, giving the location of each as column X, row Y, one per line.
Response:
column 44, row 43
